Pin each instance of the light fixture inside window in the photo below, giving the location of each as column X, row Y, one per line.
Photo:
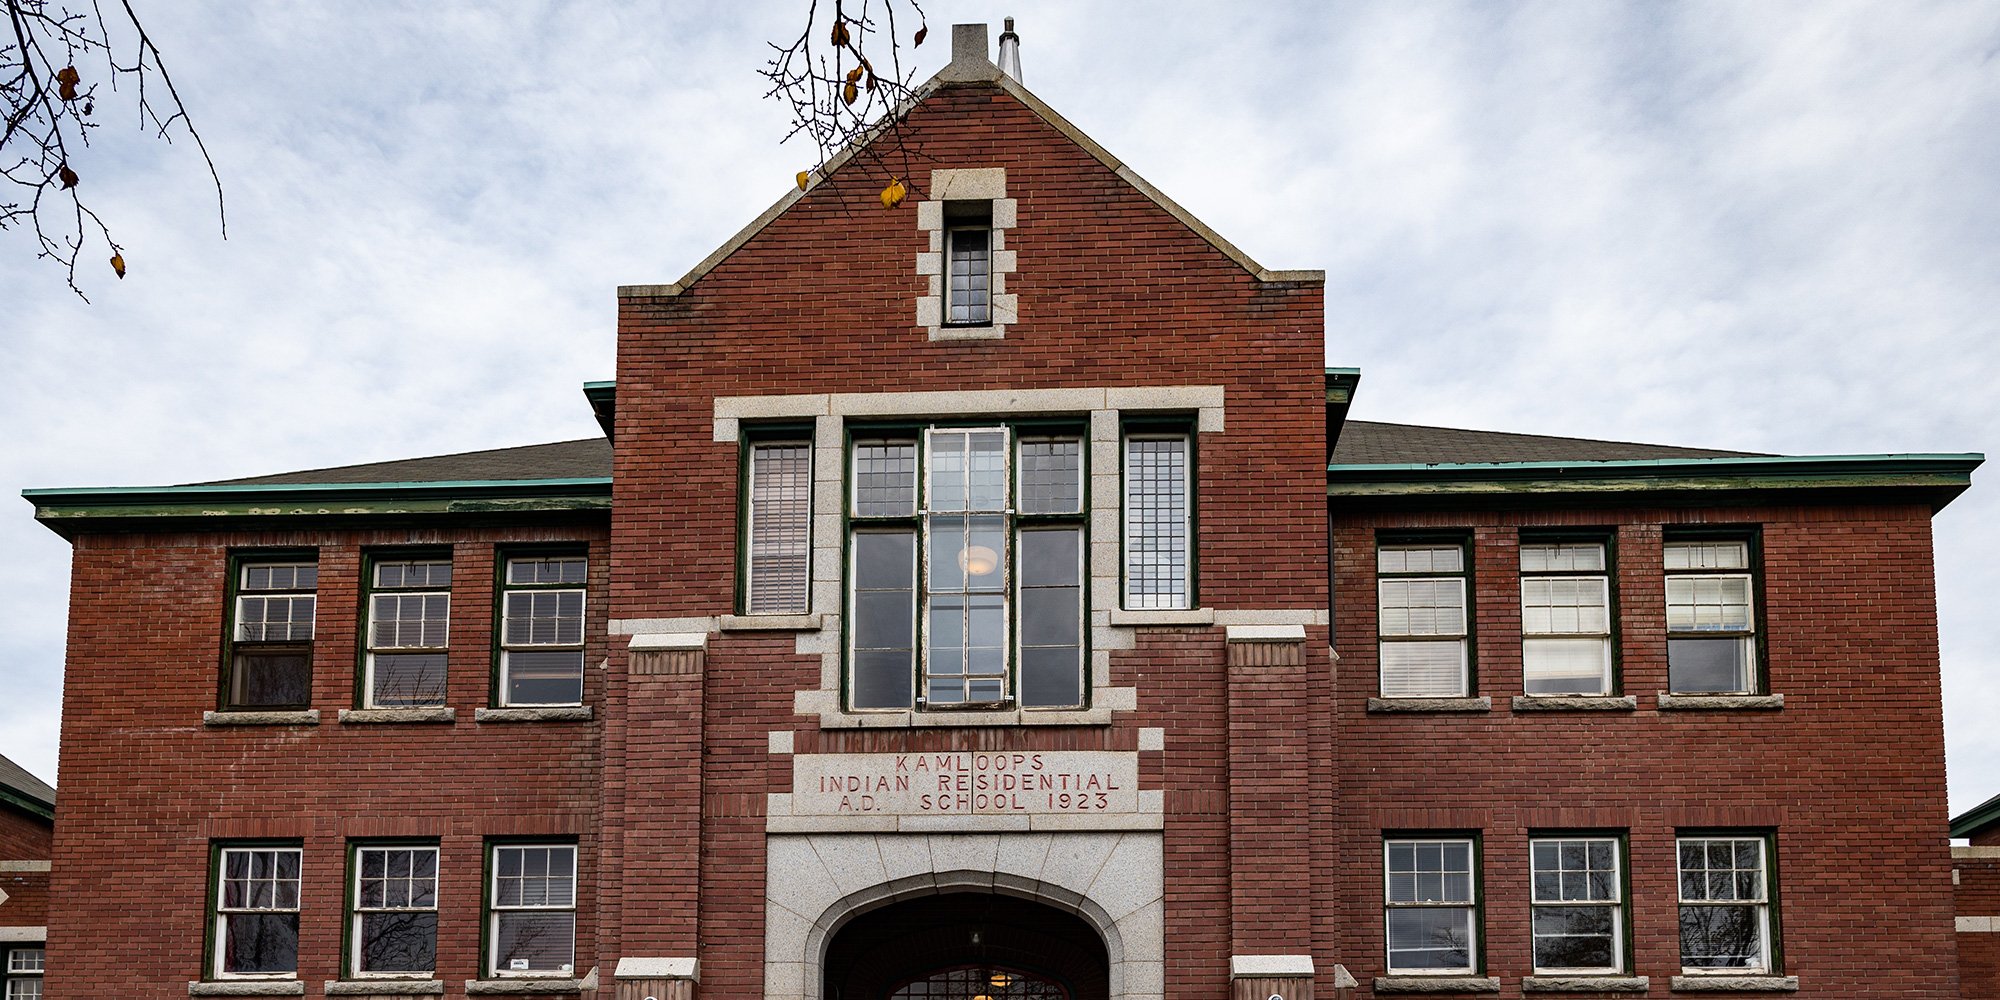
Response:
column 978, row 560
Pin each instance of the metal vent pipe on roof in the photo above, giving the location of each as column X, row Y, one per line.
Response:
column 1010, row 51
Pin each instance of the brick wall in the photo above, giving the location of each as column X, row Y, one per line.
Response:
column 147, row 787
column 1849, row 774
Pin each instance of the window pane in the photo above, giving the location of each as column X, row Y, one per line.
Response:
column 402, row 680
column 260, row 942
column 534, row 942
column 779, row 535
column 1575, row 937
column 1423, row 669
column 1430, row 938
column 1721, row 937
column 1157, row 545
column 271, row 678
column 1051, row 476
column 544, row 678
column 1716, row 665
column 398, row 942
column 885, row 478
column 1566, row 666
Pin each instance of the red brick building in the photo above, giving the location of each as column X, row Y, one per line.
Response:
column 988, row 597
column 1975, row 879
column 27, row 820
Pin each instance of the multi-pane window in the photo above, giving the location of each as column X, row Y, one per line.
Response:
column 1421, row 620
column 1429, row 905
column 409, row 619
column 1578, row 897
column 531, row 904
column 270, row 647
column 395, row 918
column 1565, row 618
column 777, row 565
column 1725, row 903
column 541, row 630
column 1159, row 522
column 1711, row 617
column 968, row 247
column 24, row 973
column 257, row 912
column 966, row 569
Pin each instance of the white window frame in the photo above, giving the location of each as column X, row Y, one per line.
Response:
column 1747, row 638
column 356, row 911
column 494, row 909
column 1470, row 905
column 1463, row 637
column 1184, row 528
column 219, row 914
column 802, row 604
column 1602, row 576
column 1616, row 904
column 375, row 591
column 1762, row 904
column 508, row 588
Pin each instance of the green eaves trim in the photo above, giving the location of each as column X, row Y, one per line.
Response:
column 1735, row 473
column 225, row 500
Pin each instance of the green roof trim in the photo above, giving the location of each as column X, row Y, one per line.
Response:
column 1977, row 818
column 1949, row 473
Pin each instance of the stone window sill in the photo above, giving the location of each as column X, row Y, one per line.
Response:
column 1391, row 705
column 525, row 987
column 384, row 987
column 439, row 713
column 1437, row 984
column 567, row 713
column 1575, row 703
column 248, row 988
column 1585, row 984
column 1736, row 984
column 1721, row 702
column 1181, row 616
column 308, row 717
column 771, row 623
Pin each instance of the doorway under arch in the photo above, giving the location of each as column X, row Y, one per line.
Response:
column 967, row 946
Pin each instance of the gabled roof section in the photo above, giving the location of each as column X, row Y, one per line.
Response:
column 25, row 791
column 970, row 64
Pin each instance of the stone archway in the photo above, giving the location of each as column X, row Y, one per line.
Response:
column 816, row 884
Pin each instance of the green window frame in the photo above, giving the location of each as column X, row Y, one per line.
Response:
column 1727, row 890
column 528, row 919
column 272, row 604
column 406, row 629
column 540, row 626
column 255, row 896
column 967, row 550
column 392, row 909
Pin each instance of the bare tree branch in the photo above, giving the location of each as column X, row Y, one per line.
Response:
column 49, row 111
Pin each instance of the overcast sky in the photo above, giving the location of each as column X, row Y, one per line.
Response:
column 1769, row 227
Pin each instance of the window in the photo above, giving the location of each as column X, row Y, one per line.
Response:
column 531, row 906
column 1429, row 905
column 1578, row 919
column 257, row 912
column 777, row 513
column 968, row 246
column 270, row 639
column 1422, row 620
column 1565, row 619
column 541, row 630
column 1159, row 521
column 1725, row 903
column 395, row 918
column 24, row 973
column 409, row 624
column 1711, row 618
column 965, row 569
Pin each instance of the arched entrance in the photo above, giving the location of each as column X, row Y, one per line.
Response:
column 967, row 946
